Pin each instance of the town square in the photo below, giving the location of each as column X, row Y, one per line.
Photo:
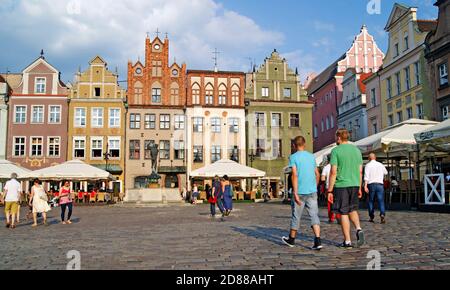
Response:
column 224, row 135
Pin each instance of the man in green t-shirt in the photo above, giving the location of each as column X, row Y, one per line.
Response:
column 345, row 190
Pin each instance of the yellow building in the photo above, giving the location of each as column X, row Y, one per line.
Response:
column 97, row 115
column 405, row 92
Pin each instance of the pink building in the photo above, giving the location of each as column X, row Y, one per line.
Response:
column 37, row 130
column 325, row 90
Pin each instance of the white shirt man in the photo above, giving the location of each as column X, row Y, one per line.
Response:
column 326, row 175
column 12, row 191
column 375, row 172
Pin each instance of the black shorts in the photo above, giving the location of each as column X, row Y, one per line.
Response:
column 346, row 200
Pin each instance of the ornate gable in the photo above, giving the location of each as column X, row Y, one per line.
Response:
column 397, row 12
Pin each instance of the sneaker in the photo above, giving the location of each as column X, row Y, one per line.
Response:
column 360, row 238
column 288, row 241
column 344, row 245
column 383, row 220
column 8, row 225
column 317, row 244
column 371, row 220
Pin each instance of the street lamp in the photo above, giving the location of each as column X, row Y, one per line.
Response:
column 252, row 156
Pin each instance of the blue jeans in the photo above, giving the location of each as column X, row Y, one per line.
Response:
column 376, row 190
column 310, row 201
column 213, row 208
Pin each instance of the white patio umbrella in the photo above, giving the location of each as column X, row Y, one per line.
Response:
column 227, row 167
column 7, row 167
column 320, row 155
column 436, row 134
column 74, row 170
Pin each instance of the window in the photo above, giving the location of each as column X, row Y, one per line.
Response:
column 97, row 92
column 156, row 66
column 396, row 50
column 390, row 120
column 179, row 122
column 406, row 42
column 276, row 120
column 332, row 121
column 20, row 114
column 36, row 146
column 114, row 118
column 408, row 78
column 148, row 144
column 327, row 124
column 445, row 113
column 97, row 117
column 265, row 92
column 419, row 109
column 235, row 96
column 178, row 147
column 135, row 121
column 373, row 98
column 196, row 94
column 322, row 126
column 216, row 153
column 164, row 121
column 19, row 146
column 209, row 98
column 37, row 115
column 174, row 94
column 114, row 147
column 294, row 121
column 54, row 116
column 389, row 88
column 234, row 125
column 397, row 79
column 79, row 147
column 138, row 93
column 54, row 145
column 96, row 148
column 443, row 74
column 287, row 93
column 375, row 128
column 399, row 117
column 135, row 150
column 417, row 72
column 198, row 124
column 222, row 95
column 198, row 154
column 80, row 117
column 260, row 119
column 156, row 95
column 277, row 148
column 40, row 86
column 164, row 149
column 234, row 154
column 409, row 113
column 216, row 125
column 150, row 121
column 260, row 147
column 316, row 135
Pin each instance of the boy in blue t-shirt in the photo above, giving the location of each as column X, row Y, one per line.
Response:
column 305, row 179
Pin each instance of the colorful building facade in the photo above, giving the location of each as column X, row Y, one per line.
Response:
column 97, row 121
column 405, row 90
column 278, row 110
column 156, row 115
column 438, row 59
column 215, row 118
column 4, row 95
column 37, row 127
column 352, row 112
column 373, row 95
column 325, row 90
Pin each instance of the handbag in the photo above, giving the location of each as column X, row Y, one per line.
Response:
column 42, row 195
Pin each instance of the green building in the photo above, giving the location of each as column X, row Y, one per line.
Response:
column 278, row 110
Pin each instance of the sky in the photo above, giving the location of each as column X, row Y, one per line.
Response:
column 309, row 34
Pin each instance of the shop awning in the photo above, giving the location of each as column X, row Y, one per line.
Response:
column 112, row 168
column 227, row 167
column 7, row 167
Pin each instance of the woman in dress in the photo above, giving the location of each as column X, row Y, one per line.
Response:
column 38, row 200
column 65, row 201
column 227, row 195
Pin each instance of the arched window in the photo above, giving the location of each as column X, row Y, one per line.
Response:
column 138, row 87
column 209, row 94
column 235, row 91
column 174, row 94
column 196, row 94
column 222, row 95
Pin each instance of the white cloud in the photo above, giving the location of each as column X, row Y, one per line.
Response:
column 323, row 26
column 73, row 31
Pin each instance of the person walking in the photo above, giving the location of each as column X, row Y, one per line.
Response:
column 65, row 201
column 218, row 194
column 227, row 195
column 345, row 190
column 211, row 199
column 374, row 174
column 39, row 202
column 325, row 178
column 305, row 179
column 194, row 194
column 12, row 192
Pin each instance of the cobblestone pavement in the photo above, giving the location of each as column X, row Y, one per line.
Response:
column 185, row 237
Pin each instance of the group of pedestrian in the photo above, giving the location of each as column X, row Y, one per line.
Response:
column 220, row 194
column 38, row 202
column 344, row 184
